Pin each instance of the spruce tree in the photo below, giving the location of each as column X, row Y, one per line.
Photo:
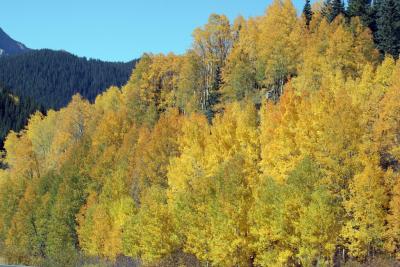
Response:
column 307, row 12
column 332, row 8
column 388, row 26
column 326, row 8
column 337, row 9
column 362, row 9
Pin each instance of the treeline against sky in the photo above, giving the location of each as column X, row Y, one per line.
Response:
column 46, row 79
column 273, row 141
column 51, row 78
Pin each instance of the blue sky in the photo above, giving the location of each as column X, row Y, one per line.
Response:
column 116, row 30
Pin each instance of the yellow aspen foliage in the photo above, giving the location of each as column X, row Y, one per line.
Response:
column 278, row 44
column 295, row 222
column 279, row 151
column 366, row 95
column 270, row 142
column 319, row 226
column 154, row 151
column 212, row 44
column 310, row 71
column 213, row 41
column 228, row 213
column 189, row 85
column 184, row 175
column 107, row 137
column 138, row 103
column 12, row 189
column 240, row 75
column 384, row 73
column 392, row 234
column 364, row 230
column 350, row 48
column 41, row 131
column 363, row 44
column 19, row 239
column 155, row 79
column 150, row 233
column 20, row 155
column 232, row 155
column 73, row 123
column 334, row 47
column 323, row 125
column 110, row 100
column 330, row 131
column 26, row 237
column 192, row 142
column 85, row 225
column 235, row 133
column 387, row 126
column 153, row 88
column 102, row 219
column 212, row 163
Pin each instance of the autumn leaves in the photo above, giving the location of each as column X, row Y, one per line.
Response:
column 269, row 143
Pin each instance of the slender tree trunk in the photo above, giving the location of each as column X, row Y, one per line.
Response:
column 251, row 260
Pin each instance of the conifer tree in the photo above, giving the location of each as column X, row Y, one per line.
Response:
column 141, row 174
column 388, row 26
column 307, row 12
column 362, row 9
column 332, row 8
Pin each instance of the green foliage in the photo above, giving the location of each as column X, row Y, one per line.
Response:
column 307, row 12
column 388, row 26
column 14, row 112
column 51, row 78
column 333, row 8
column 296, row 222
column 269, row 143
column 362, row 9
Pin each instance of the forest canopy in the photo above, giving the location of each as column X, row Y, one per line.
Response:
column 272, row 142
column 51, row 77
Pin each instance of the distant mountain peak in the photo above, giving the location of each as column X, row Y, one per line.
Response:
column 9, row 46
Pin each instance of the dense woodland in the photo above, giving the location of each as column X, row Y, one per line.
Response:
column 51, row 78
column 14, row 112
column 44, row 79
column 274, row 141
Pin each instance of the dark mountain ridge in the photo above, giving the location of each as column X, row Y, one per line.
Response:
column 9, row 46
column 14, row 112
column 51, row 77
column 47, row 79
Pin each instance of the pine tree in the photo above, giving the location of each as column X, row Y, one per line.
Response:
column 388, row 27
column 307, row 12
column 326, row 8
column 362, row 9
column 332, row 8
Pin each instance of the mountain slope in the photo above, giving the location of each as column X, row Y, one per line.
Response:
column 9, row 46
column 44, row 79
column 52, row 77
column 14, row 112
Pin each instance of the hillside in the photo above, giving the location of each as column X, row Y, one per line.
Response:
column 52, row 77
column 9, row 46
column 273, row 141
column 14, row 112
